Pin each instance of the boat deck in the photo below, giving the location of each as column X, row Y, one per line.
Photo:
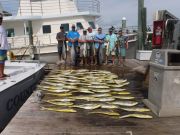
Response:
column 30, row 120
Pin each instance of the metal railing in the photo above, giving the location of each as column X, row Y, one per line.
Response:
column 44, row 40
column 47, row 7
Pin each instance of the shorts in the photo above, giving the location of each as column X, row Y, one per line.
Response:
column 60, row 49
column 3, row 56
column 83, row 51
column 121, row 52
column 110, row 52
column 91, row 51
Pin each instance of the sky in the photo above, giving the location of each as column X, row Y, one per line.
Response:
column 112, row 11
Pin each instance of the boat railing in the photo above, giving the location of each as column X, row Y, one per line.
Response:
column 48, row 7
column 45, row 40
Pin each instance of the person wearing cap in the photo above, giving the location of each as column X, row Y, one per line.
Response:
column 4, row 46
column 99, row 45
column 122, row 45
column 83, row 43
column 61, row 38
column 73, row 37
column 91, row 50
column 111, row 39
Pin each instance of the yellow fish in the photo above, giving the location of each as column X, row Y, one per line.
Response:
column 122, row 93
column 125, row 103
column 101, row 95
column 88, row 106
column 124, row 97
column 141, row 116
column 60, row 103
column 120, row 81
column 118, row 89
column 106, row 106
column 106, row 113
column 135, row 109
column 61, row 100
column 58, row 110
column 59, row 94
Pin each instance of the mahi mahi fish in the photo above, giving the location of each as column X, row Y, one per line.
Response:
column 120, row 81
column 88, row 106
column 141, row 116
column 62, row 100
column 122, row 93
column 118, row 89
column 59, row 94
column 106, row 113
column 135, row 109
column 58, row 110
column 101, row 95
column 125, row 103
column 108, row 106
column 124, row 97
column 101, row 90
column 60, row 103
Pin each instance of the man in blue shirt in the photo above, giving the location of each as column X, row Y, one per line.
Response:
column 73, row 37
column 99, row 44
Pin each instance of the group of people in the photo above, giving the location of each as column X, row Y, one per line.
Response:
column 92, row 48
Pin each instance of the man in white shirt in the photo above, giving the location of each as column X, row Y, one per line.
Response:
column 91, row 51
column 3, row 48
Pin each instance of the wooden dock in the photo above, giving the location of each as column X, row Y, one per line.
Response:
column 31, row 121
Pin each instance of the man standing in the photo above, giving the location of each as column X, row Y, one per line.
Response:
column 111, row 38
column 73, row 37
column 3, row 48
column 84, row 47
column 122, row 45
column 91, row 53
column 61, row 38
column 99, row 45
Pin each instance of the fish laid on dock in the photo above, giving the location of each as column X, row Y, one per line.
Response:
column 118, row 89
column 106, row 113
column 101, row 90
column 108, row 106
column 141, row 116
column 58, row 110
column 135, row 109
column 62, row 100
column 122, row 93
column 59, row 94
column 124, row 97
column 125, row 103
column 88, row 106
column 60, row 103
column 101, row 95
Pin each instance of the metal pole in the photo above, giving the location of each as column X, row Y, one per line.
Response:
column 124, row 24
column 140, row 33
column 31, row 45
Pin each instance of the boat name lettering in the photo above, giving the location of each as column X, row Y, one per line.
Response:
column 18, row 99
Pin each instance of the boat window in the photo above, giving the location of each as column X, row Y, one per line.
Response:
column 27, row 31
column 79, row 26
column 46, row 29
column 92, row 25
column 66, row 27
column 10, row 32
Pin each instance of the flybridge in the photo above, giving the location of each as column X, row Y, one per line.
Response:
column 49, row 7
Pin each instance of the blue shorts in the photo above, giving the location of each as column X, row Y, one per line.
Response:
column 3, row 55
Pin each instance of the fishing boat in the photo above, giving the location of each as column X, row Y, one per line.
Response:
column 45, row 17
column 16, row 89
